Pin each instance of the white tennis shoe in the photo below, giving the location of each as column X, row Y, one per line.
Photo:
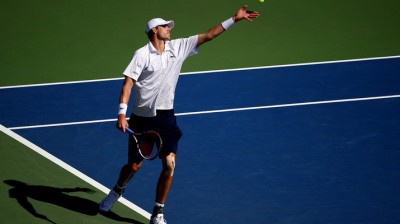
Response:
column 159, row 219
column 107, row 203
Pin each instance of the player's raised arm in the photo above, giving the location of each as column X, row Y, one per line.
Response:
column 216, row 30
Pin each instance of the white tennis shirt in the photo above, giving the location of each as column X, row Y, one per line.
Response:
column 156, row 74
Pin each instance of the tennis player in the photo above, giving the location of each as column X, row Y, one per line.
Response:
column 154, row 71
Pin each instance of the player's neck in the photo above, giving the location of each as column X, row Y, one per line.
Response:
column 158, row 44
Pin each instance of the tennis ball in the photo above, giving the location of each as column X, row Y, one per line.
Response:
column 261, row 1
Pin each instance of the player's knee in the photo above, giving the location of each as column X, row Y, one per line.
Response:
column 169, row 169
column 134, row 167
column 169, row 166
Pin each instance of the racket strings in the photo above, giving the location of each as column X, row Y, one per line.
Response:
column 149, row 144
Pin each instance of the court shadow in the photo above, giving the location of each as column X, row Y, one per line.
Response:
column 57, row 196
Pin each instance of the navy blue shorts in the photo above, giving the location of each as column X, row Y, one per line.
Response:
column 164, row 123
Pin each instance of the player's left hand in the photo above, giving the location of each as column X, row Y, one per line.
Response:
column 242, row 13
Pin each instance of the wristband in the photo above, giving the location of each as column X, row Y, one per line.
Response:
column 122, row 108
column 227, row 23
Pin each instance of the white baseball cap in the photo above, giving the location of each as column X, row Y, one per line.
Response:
column 158, row 22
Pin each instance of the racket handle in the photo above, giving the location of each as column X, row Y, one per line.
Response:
column 129, row 130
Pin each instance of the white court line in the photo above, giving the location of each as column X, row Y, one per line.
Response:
column 221, row 111
column 63, row 124
column 71, row 169
column 206, row 72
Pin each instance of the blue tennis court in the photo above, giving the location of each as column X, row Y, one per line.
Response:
column 310, row 143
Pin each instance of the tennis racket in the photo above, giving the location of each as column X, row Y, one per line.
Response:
column 148, row 143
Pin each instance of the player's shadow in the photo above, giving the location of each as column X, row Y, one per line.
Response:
column 57, row 196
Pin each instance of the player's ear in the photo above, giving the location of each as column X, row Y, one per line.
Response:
column 150, row 34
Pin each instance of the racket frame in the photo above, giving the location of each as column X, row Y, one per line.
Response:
column 134, row 134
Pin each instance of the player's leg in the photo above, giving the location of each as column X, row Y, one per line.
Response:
column 125, row 175
column 163, row 186
column 165, row 179
column 170, row 133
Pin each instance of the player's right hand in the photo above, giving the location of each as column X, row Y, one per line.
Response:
column 122, row 123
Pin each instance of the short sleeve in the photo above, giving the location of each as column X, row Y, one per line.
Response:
column 186, row 46
column 135, row 67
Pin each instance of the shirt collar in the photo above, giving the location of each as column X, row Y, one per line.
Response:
column 154, row 50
